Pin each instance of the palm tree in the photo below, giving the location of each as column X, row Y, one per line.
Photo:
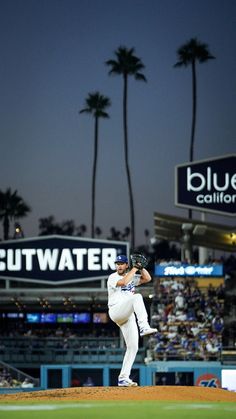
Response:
column 126, row 233
column 81, row 230
column 189, row 54
column 12, row 207
column 98, row 231
column 127, row 64
column 49, row 226
column 95, row 104
column 115, row 234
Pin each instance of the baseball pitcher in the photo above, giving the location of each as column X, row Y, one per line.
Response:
column 127, row 309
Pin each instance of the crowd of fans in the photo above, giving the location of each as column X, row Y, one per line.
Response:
column 189, row 321
column 9, row 380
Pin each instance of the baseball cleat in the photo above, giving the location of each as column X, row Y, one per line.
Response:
column 148, row 331
column 126, row 382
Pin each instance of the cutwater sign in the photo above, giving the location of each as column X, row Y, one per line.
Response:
column 171, row 269
column 207, row 185
column 58, row 259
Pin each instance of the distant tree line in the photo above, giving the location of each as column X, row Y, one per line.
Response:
column 13, row 208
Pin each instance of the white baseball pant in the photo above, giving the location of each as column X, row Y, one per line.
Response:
column 122, row 314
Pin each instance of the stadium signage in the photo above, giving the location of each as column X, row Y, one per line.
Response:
column 58, row 259
column 208, row 380
column 188, row 270
column 207, row 185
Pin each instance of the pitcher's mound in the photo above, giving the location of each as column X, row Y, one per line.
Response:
column 175, row 393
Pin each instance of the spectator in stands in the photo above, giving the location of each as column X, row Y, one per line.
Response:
column 75, row 382
column 220, row 292
column 163, row 380
column 211, row 292
column 180, row 301
column 180, row 315
column 217, row 324
column 212, row 347
column 186, row 325
column 170, row 350
column 89, row 382
column 177, row 286
column 168, row 312
column 178, row 377
column 27, row 383
column 191, row 314
column 4, row 382
column 15, row 382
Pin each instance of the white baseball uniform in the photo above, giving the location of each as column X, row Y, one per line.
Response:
column 123, row 305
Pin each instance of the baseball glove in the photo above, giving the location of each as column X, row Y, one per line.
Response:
column 138, row 261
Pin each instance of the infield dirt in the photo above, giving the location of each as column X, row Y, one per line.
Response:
column 158, row 393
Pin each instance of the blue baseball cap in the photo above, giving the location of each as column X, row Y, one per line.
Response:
column 121, row 259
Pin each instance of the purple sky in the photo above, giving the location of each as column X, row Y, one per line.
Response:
column 52, row 56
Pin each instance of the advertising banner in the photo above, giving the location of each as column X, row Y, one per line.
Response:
column 171, row 269
column 207, row 185
column 58, row 259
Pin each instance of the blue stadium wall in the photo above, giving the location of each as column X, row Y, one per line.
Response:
column 206, row 374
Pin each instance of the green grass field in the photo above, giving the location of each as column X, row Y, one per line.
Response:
column 117, row 410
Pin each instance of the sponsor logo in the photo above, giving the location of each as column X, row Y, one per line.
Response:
column 95, row 259
column 189, row 270
column 208, row 380
column 58, row 259
column 209, row 185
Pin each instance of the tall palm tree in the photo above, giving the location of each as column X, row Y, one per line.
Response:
column 127, row 64
column 95, row 104
column 189, row 54
column 12, row 207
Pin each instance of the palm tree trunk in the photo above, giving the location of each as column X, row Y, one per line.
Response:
column 132, row 218
column 94, row 177
column 194, row 89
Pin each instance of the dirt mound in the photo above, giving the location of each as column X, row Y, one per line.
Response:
column 174, row 393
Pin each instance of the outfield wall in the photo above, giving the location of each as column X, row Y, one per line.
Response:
column 205, row 374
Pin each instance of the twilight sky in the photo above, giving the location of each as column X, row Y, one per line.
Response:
column 53, row 54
